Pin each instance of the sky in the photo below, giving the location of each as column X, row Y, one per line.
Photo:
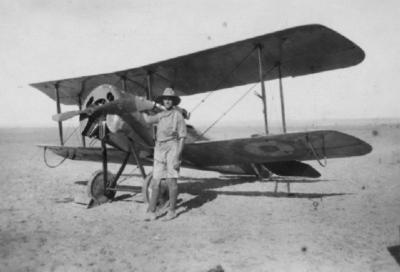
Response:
column 48, row 40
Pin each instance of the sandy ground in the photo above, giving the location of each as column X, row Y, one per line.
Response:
column 344, row 221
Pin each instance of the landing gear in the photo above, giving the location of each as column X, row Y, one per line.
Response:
column 262, row 172
column 102, row 186
column 101, row 191
column 287, row 187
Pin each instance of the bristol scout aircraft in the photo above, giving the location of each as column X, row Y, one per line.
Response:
column 110, row 108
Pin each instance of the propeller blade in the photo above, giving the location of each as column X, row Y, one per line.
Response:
column 118, row 106
column 123, row 105
column 66, row 115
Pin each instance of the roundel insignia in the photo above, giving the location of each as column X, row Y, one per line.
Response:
column 269, row 148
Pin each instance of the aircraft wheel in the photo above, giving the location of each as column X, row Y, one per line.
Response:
column 146, row 188
column 163, row 198
column 96, row 190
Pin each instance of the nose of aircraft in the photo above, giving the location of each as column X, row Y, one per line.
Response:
column 99, row 96
column 120, row 110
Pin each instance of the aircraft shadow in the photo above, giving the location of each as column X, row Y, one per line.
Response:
column 125, row 188
column 122, row 197
column 203, row 191
column 195, row 186
column 279, row 194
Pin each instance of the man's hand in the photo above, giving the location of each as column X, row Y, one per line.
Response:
column 185, row 113
column 177, row 164
column 158, row 106
column 89, row 111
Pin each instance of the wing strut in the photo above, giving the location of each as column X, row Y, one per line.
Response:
column 124, row 78
column 104, row 152
column 60, row 127
column 264, row 97
column 80, row 108
column 149, row 86
column 149, row 94
column 282, row 99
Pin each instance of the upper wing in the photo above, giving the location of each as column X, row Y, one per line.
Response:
column 299, row 51
column 273, row 148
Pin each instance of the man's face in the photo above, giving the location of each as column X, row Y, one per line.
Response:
column 168, row 103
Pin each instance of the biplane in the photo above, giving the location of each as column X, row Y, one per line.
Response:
column 110, row 108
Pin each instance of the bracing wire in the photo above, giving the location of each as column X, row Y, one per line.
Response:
column 70, row 135
column 229, row 109
column 92, row 142
column 127, row 175
column 234, row 104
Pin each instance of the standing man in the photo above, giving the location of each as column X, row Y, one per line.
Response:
column 171, row 133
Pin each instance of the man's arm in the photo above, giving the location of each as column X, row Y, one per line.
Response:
column 181, row 144
column 181, row 131
column 150, row 119
column 177, row 163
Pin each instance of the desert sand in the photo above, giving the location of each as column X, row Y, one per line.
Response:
column 343, row 221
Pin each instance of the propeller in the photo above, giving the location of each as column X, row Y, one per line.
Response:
column 118, row 106
column 66, row 115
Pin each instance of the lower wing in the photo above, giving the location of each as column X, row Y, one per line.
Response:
column 302, row 146
column 279, row 153
column 95, row 154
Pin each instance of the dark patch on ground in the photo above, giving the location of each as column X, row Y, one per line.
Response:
column 218, row 268
column 64, row 200
column 81, row 182
column 395, row 252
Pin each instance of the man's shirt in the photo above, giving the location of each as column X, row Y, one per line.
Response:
column 170, row 125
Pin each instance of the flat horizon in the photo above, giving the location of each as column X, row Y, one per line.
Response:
column 254, row 122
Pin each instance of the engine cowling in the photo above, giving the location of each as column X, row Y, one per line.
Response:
column 99, row 96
